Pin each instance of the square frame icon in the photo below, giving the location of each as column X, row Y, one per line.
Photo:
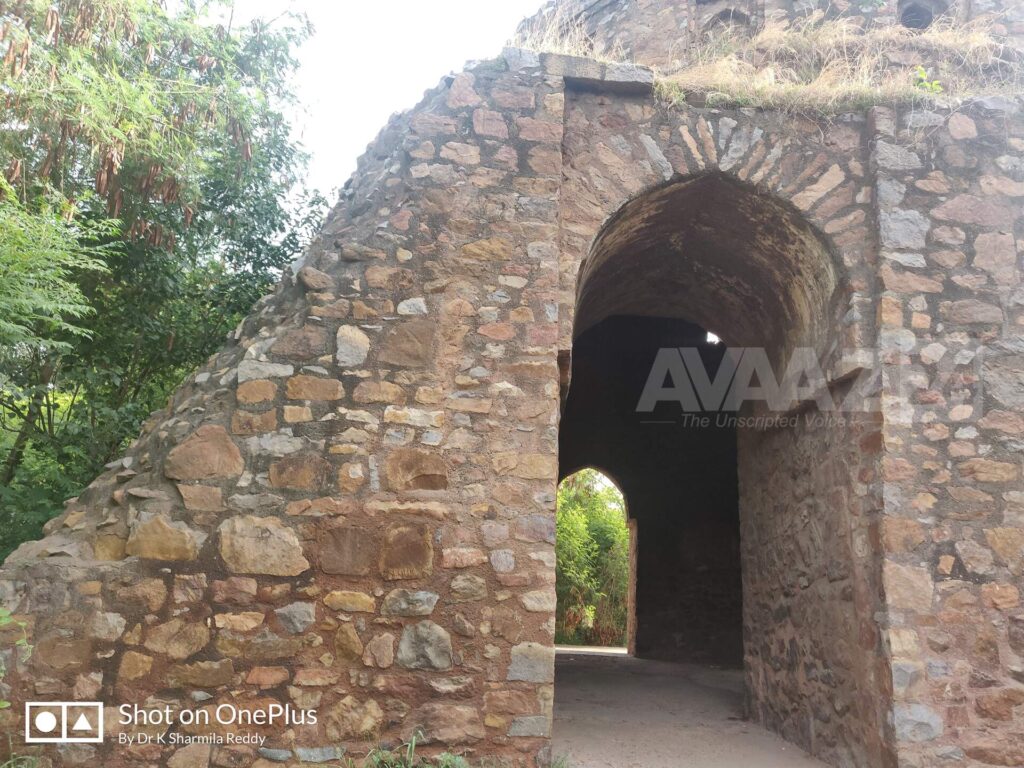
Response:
column 63, row 722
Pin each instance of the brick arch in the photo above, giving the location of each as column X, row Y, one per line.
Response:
column 648, row 195
column 719, row 252
column 616, row 151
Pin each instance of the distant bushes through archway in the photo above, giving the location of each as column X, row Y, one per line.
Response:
column 592, row 562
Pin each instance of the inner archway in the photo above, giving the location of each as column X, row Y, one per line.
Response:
column 594, row 555
column 746, row 556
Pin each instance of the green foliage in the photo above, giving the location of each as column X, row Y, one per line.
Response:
column 592, row 562
column 154, row 194
column 41, row 253
column 923, row 81
column 21, row 646
column 406, row 757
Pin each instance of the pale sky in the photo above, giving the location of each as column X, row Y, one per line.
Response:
column 370, row 59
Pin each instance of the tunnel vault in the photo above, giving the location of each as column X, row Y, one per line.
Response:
column 738, row 563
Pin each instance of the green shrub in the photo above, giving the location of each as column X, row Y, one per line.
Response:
column 592, row 562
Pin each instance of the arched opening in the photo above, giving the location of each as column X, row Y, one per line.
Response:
column 744, row 506
column 593, row 563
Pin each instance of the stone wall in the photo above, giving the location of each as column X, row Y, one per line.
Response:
column 950, row 191
column 350, row 508
column 810, row 498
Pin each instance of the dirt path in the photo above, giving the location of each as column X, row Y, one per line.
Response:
column 613, row 711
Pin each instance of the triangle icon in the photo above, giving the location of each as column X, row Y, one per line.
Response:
column 81, row 724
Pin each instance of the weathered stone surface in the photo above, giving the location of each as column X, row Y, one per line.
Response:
column 490, row 249
column 208, row 453
column 304, row 473
column 970, row 209
column 409, row 344
column 347, row 644
column 249, row 370
column 907, row 587
column 348, row 551
column 245, row 621
column 447, row 724
column 896, row 158
column 297, row 617
column 314, row 388
column 177, row 638
column 134, row 665
column 972, row 311
column 320, row 754
column 202, row 498
column 107, row 627
column 916, row 722
column 304, row 343
column 260, row 545
column 415, row 469
column 380, row 651
column 1003, row 379
column 159, row 538
column 352, row 602
column 261, row 647
column 201, row 674
column 532, row 663
column 538, row 726
column 190, row 756
column 1008, row 545
column 539, row 601
column 462, row 557
column 354, row 719
column 315, row 280
column 352, row 346
column 467, row 587
column 405, row 602
column 408, row 552
column 256, row 391
column 988, row 471
column 425, row 645
column 904, row 229
column 378, row 392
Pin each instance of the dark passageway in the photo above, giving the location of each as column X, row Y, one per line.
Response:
column 680, row 482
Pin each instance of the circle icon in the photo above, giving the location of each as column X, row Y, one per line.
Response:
column 45, row 722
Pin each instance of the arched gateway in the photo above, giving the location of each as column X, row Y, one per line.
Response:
column 350, row 508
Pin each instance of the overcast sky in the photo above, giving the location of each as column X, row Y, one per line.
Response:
column 370, row 59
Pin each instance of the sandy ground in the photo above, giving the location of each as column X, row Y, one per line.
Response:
column 613, row 711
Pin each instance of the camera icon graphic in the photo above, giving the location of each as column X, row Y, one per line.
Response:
column 63, row 722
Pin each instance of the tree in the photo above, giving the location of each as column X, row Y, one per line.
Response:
column 147, row 156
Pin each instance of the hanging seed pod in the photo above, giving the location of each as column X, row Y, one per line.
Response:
column 14, row 170
column 52, row 25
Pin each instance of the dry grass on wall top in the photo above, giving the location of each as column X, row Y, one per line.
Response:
column 554, row 31
column 825, row 66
